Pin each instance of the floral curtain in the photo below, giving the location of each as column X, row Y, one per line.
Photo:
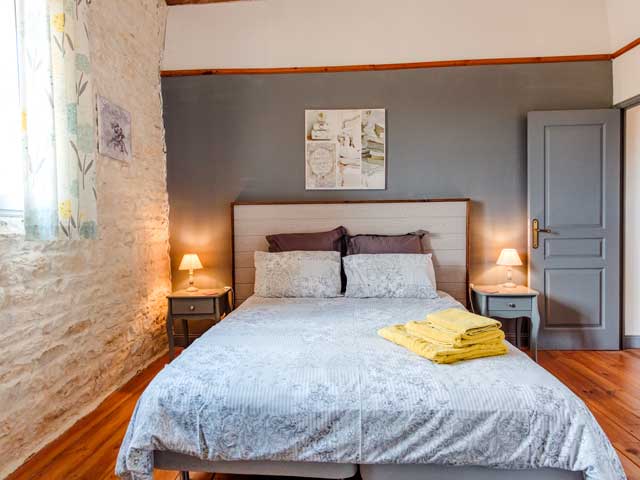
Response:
column 58, row 108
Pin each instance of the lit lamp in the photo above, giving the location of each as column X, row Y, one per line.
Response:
column 509, row 258
column 190, row 262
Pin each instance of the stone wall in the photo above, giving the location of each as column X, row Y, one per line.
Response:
column 78, row 319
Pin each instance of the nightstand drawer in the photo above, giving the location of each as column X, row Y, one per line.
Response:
column 192, row 305
column 509, row 313
column 509, row 303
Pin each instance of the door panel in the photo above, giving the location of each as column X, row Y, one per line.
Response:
column 572, row 247
column 574, row 193
column 571, row 203
column 563, row 308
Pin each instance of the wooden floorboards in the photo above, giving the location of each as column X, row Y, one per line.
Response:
column 608, row 382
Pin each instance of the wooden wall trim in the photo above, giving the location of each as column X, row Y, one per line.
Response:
column 629, row 102
column 626, row 48
column 386, row 66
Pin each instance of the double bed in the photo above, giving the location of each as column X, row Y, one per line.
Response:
column 306, row 387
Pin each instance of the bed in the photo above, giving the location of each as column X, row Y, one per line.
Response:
column 305, row 387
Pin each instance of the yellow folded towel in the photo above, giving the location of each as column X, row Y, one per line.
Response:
column 442, row 336
column 438, row 353
column 462, row 322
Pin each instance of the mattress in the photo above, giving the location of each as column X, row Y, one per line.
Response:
column 309, row 380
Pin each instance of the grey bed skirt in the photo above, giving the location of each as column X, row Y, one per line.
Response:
column 177, row 461
column 439, row 472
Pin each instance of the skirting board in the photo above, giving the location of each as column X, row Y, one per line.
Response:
column 631, row 341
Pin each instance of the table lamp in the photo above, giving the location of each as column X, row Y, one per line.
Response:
column 509, row 257
column 190, row 262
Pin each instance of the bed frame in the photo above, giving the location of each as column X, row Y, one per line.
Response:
column 446, row 220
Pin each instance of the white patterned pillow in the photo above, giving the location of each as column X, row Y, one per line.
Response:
column 297, row 274
column 399, row 275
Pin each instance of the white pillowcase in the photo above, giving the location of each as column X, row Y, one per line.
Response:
column 392, row 275
column 297, row 274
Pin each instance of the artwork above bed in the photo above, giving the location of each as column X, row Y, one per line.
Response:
column 345, row 149
column 445, row 222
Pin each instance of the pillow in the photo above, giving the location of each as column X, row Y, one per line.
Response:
column 319, row 241
column 409, row 243
column 392, row 275
column 297, row 274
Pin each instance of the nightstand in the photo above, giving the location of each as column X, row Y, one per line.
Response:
column 204, row 304
column 503, row 302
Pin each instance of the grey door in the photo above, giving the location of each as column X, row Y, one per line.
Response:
column 574, row 195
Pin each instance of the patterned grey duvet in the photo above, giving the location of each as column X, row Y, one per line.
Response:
column 310, row 380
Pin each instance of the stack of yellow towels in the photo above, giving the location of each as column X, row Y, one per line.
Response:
column 449, row 336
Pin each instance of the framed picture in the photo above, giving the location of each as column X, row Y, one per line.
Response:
column 114, row 130
column 345, row 149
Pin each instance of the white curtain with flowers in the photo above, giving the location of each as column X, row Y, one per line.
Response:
column 57, row 101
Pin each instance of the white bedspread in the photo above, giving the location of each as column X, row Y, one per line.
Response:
column 310, row 380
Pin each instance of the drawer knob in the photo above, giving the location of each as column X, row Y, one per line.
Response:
column 193, row 307
column 512, row 305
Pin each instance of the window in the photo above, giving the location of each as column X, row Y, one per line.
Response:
column 11, row 185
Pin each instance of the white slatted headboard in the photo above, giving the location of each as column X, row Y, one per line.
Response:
column 446, row 220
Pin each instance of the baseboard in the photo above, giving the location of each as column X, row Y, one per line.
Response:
column 631, row 341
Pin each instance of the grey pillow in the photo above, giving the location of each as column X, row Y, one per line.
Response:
column 297, row 274
column 391, row 275
column 408, row 243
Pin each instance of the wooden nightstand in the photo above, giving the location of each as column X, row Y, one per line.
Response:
column 204, row 304
column 502, row 302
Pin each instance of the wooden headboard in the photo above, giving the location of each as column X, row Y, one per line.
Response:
column 446, row 220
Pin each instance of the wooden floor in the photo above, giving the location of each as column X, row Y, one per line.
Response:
column 608, row 382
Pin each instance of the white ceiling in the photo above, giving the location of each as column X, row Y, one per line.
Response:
column 277, row 33
column 623, row 22
column 285, row 33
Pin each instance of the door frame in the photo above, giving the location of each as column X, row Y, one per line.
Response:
column 624, row 106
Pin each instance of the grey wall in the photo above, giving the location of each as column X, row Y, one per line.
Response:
column 451, row 132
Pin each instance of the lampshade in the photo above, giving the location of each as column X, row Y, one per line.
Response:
column 509, row 257
column 190, row 261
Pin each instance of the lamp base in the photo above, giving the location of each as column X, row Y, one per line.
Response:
column 509, row 285
column 191, row 288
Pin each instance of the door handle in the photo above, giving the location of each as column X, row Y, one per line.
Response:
column 535, row 231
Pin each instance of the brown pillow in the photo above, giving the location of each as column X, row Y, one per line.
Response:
column 409, row 243
column 333, row 240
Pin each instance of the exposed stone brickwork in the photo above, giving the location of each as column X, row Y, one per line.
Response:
column 77, row 320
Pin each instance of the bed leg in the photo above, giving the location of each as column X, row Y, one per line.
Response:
column 184, row 475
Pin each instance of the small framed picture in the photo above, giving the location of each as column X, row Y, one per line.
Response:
column 114, row 130
column 345, row 149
